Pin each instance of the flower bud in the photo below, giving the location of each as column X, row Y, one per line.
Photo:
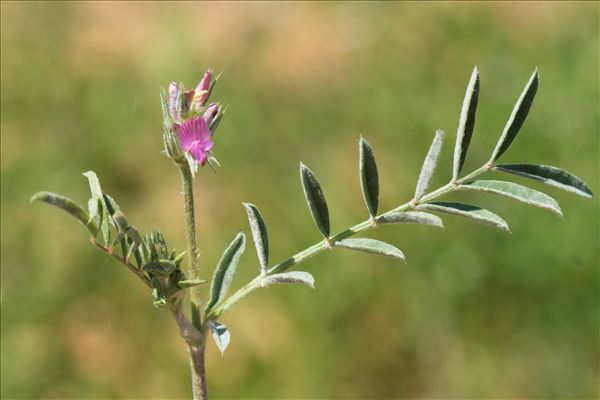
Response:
column 184, row 104
column 173, row 95
column 211, row 112
column 217, row 120
column 203, row 88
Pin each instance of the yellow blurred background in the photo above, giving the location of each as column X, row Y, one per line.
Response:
column 475, row 313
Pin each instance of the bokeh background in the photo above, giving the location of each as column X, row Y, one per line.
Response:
column 475, row 313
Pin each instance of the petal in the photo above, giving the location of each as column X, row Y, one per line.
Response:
column 186, row 135
column 204, row 131
column 207, row 146
column 199, row 154
column 194, row 133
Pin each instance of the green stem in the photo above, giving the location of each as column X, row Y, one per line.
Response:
column 197, row 345
column 192, row 245
column 326, row 243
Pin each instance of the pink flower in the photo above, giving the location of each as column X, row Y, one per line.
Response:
column 194, row 137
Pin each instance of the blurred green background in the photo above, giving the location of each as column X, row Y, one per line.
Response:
column 475, row 313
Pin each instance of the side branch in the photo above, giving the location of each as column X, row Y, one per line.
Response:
column 130, row 266
column 326, row 244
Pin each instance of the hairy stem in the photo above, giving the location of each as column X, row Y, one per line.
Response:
column 197, row 343
column 197, row 365
column 326, row 244
column 192, row 245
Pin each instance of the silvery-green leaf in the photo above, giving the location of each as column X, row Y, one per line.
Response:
column 188, row 283
column 225, row 269
column 549, row 175
column 104, row 221
column 96, row 192
column 466, row 123
column 371, row 246
column 93, row 208
column 95, row 188
column 112, row 205
column 515, row 191
column 120, row 221
column 467, row 211
column 220, row 334
column 68, row 205
column 517, row 117
column 259, row 234
column 410, row 217
column 369, row 179
column 429, row 164
column 289, row 277
column 97, row 206
column 315, row 199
